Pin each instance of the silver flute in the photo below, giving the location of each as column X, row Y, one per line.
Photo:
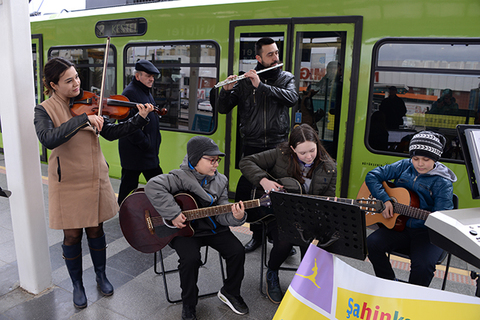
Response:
column 225, row 82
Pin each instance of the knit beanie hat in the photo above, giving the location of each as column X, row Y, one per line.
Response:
column 427, row 144
column 200, row 146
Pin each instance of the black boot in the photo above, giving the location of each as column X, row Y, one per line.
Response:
column 73, row 259
column 274, row 291
column 189, row 313
column 98, row 253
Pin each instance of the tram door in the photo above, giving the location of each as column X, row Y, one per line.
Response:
column 247, row 61
column 37, row 57
column 319, row 75
column 315, row 50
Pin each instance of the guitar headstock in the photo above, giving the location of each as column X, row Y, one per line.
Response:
column 265, row 200
column 372, row 205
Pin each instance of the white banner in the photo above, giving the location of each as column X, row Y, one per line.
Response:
column 325, row 287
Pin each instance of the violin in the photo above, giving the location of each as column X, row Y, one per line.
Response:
column 115, row 106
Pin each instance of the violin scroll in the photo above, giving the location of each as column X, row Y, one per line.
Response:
column 161, row 111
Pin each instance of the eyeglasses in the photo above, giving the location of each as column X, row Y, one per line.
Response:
column 213, row 160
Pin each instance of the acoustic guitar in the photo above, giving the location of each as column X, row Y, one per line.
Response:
column 291, row 185
column 146, row 231
column 405, row 205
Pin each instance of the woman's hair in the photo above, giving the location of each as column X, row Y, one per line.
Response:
column 52, row 72
column 301, row 134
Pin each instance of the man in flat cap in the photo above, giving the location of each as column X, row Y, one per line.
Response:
column 139, row 150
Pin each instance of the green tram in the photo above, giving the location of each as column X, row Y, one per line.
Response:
column 349, row 52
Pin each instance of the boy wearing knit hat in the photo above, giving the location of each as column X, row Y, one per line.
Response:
column 432, row 182
column 198, row 176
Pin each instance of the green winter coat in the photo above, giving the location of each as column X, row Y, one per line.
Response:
column 275, row 161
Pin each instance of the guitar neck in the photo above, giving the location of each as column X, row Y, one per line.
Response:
column 409, row 211
column 214, row 211
column 341, row 200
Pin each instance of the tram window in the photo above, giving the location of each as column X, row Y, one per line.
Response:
column 188, row 71
column 89, row 64
column 438, row 83
column 320, row 82
column 445, row 55
column 36, row 72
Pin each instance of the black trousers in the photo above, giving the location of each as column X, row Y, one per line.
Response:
column 244, row 189
column 423, row 254
column 188, row 249
column 281, row 248
column 129, row 180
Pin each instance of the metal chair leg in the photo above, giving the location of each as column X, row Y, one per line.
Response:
column 447, row 266
column 263, row 262
column 263, row 259
column 164, row 273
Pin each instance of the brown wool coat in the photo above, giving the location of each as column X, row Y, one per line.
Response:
column 79, row 189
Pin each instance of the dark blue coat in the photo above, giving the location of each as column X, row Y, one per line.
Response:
column 434, row 188
column 139, row 150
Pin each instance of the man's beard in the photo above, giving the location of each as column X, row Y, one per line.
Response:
column 270, row 74
column 271, row 64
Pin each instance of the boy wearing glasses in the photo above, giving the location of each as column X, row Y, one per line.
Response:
column 198, row 176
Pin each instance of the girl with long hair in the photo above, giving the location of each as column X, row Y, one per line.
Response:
column 303, row 158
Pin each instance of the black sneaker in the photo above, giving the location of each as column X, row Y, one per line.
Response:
column 189, row 313
column 274, row 291
column 253, row 244
column 235, row 303
column 293, row 252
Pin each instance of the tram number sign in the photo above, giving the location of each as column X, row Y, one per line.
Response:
column 121, row 27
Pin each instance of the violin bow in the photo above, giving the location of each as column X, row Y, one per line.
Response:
column 102, row 88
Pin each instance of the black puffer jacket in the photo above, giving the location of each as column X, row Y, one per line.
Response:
column 263, row 112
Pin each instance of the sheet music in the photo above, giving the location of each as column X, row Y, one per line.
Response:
column 473, row 140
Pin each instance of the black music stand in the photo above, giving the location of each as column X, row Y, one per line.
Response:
column 338, row 227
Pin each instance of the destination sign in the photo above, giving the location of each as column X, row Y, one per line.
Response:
column 121, row 27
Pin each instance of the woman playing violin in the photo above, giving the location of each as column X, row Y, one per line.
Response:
column 80, row 193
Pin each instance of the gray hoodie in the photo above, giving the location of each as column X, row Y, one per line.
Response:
column 207, row 191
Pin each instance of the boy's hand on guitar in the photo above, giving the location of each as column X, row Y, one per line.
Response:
column 179, row 221
column 269, row 185
column 388, row 212
column 238, row 210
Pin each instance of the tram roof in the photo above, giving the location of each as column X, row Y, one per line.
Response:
column 137, row 8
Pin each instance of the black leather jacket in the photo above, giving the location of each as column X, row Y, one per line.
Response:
column 263, row 112
column 52, row 137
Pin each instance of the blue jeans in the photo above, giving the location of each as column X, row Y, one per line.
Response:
column 413, row 241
